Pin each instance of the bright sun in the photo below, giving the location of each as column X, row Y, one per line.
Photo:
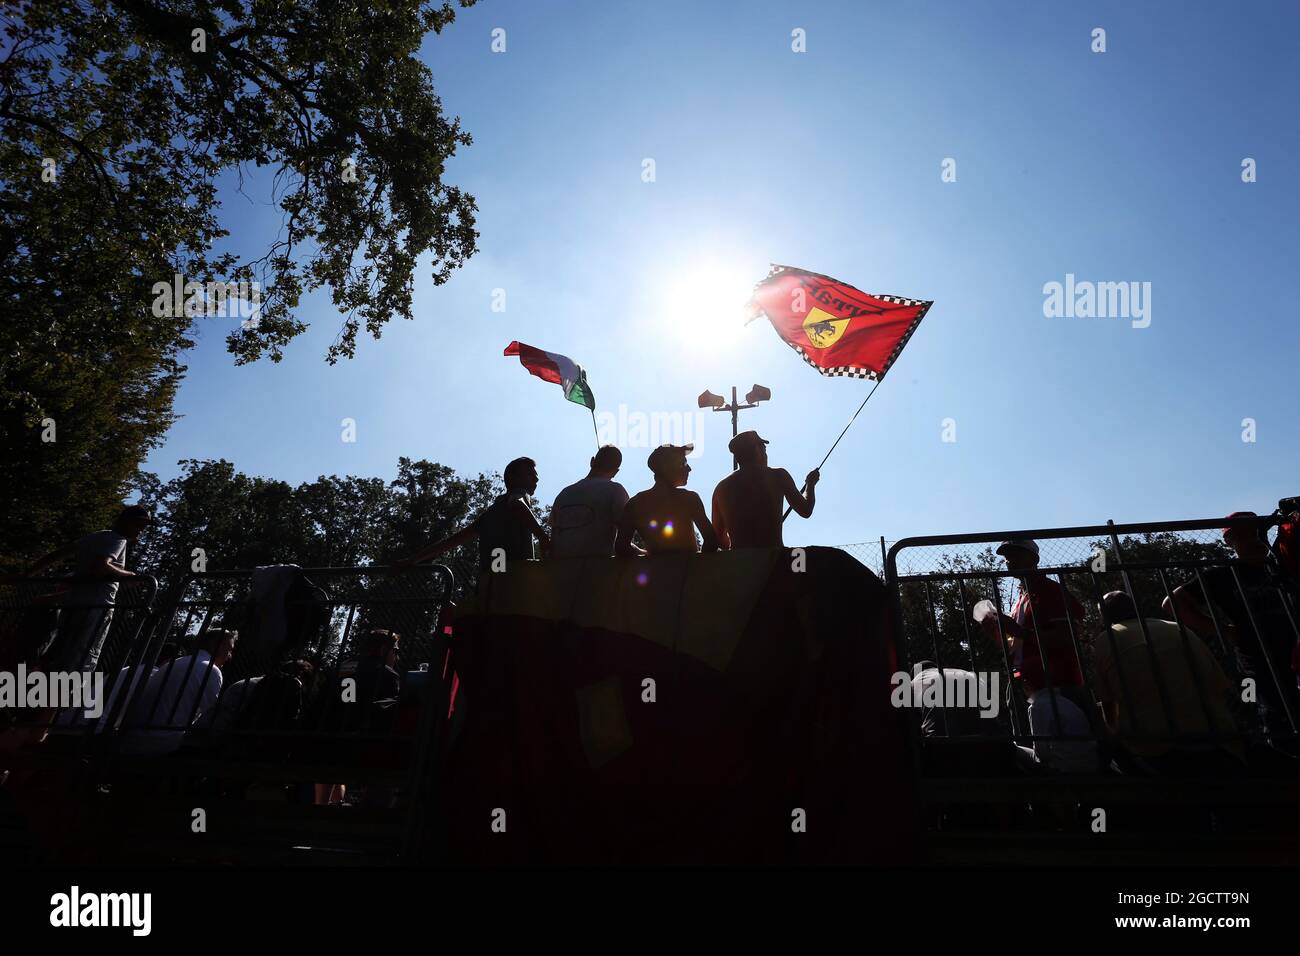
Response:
column 700, row 306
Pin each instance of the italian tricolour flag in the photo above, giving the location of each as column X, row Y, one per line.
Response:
column 560, row 369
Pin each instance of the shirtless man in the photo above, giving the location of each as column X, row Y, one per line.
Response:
column 667, row 514
column 747, row 503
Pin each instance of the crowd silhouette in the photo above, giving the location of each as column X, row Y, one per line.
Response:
column 1157, row 703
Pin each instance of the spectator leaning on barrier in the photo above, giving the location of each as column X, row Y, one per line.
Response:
column 1039, row 614
column 1045, row 613
column 1133, row 694
column 99, row 568
column 747, row 503
column 584, row 518
column 1262, row 648
column 505, row 528
column 666, row 515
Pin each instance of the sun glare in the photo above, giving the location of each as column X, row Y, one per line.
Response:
column 701, row 308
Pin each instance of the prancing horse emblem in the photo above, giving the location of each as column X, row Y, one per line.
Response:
column 823, row 329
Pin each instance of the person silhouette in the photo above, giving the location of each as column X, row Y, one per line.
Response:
column 584, row 518
column 747, row 503
column 505, row 528
column 100, row 567
column 666, row 515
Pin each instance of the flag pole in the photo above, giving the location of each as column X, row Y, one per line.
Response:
column 594, row 429
column 837, row 441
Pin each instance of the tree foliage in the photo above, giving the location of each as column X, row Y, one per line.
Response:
column 239, row 521
column 118, row 118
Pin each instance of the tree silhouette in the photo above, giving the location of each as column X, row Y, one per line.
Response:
column 118, row 119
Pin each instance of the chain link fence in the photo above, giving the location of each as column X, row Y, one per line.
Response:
column 1053, row 552
column 940, row 581
column 868, row 553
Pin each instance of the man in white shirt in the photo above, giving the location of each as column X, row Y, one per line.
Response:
column 584, row 518
column 100, row 565
column 178, row 695
column 127, row 681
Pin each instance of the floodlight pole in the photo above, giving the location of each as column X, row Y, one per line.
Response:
column 735, row 408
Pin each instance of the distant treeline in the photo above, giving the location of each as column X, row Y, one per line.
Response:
column 242, row 521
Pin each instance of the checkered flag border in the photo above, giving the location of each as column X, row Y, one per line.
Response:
column 852, row 371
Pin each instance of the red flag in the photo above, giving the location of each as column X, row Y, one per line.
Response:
column 837, row 329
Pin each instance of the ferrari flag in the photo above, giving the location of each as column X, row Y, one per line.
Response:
column 557, row 368
column 835, row 328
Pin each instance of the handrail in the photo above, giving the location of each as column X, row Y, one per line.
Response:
column 1081, row 531
column 147, row 582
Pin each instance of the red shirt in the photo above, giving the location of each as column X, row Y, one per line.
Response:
column 1043, row 599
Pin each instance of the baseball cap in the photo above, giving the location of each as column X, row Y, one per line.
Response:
column 1024, row 544
column 665, row 453
column 138, row 512
column 745, row 440
column 1239, row 514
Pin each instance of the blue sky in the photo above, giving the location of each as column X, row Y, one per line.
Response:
column 1119, row 166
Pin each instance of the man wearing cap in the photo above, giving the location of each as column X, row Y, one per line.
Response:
column 666, row 515
column 1040, row 612
column 1059, row 703
column 99, row 567
column 1262, row 646
column 747, row 503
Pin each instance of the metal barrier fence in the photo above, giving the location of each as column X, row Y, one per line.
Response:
column 309, row 633
column 871, row 554
column 1202, row 671
column 339, row 676
column 55, row 631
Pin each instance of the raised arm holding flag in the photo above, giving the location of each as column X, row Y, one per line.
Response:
column 837, row 329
